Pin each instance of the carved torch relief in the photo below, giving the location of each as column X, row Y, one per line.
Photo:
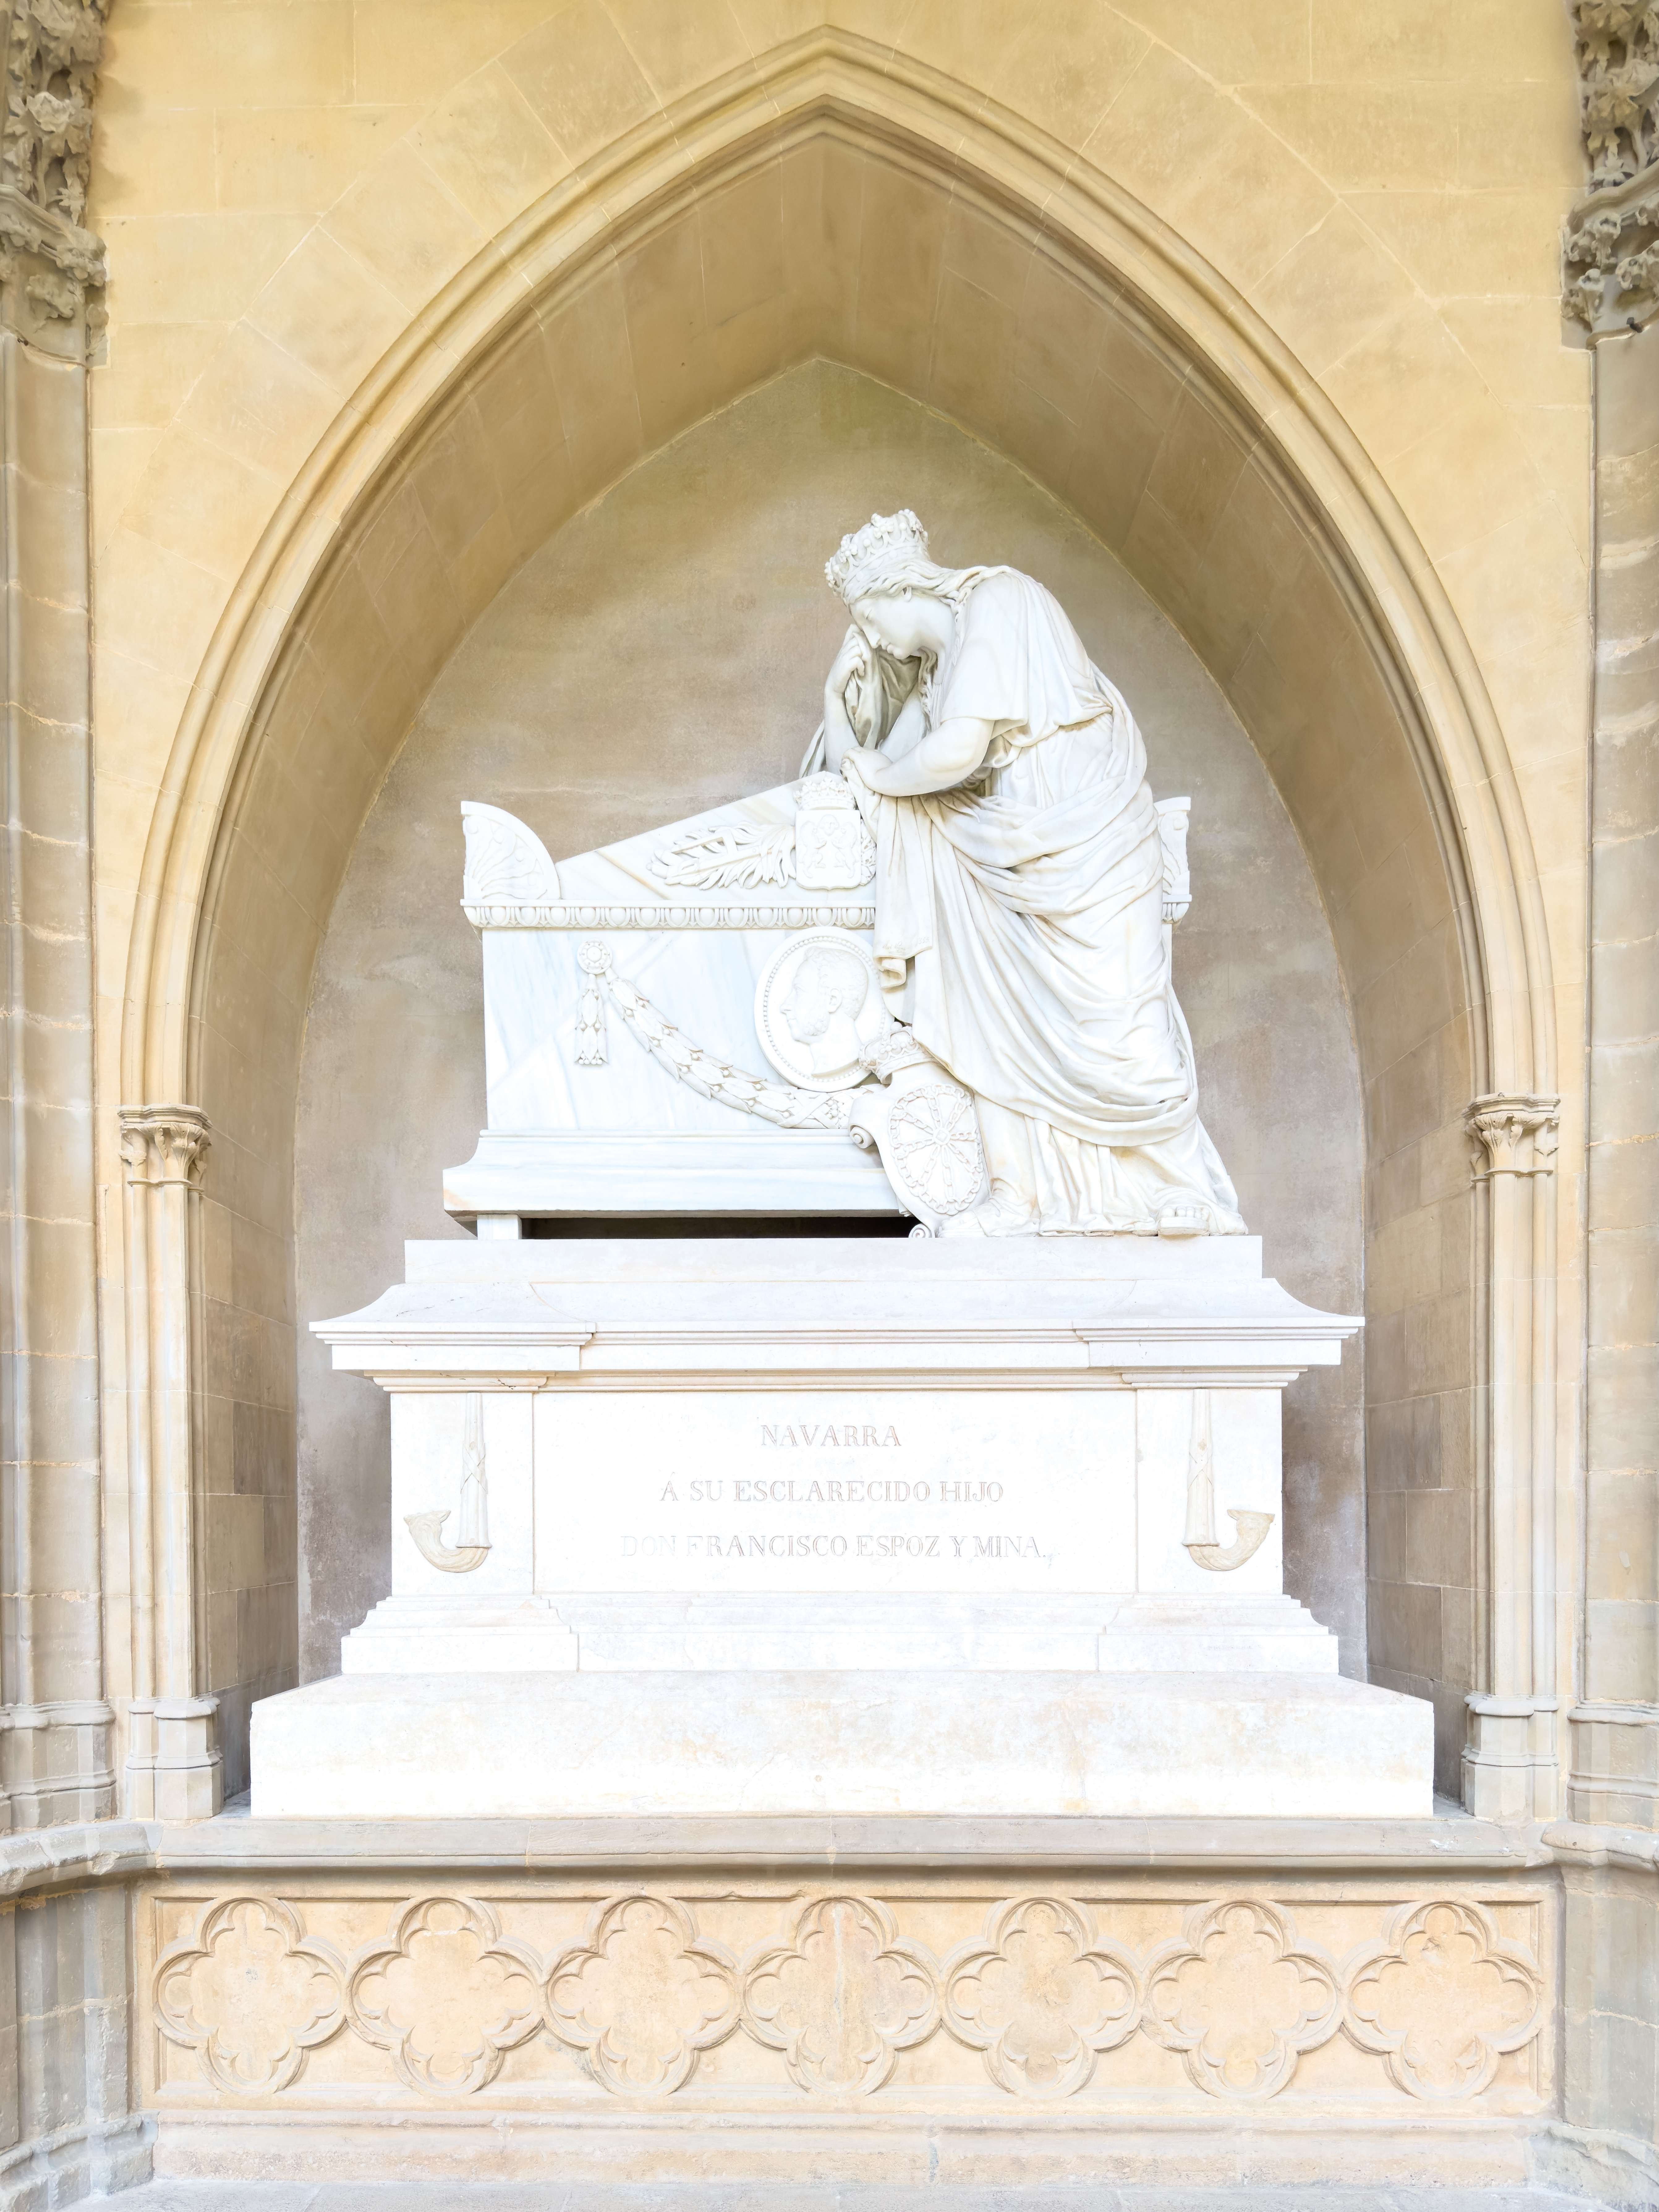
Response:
column 1199, row 1538
column 472, row 1521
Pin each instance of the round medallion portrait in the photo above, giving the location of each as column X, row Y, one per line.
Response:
column 818, row 1010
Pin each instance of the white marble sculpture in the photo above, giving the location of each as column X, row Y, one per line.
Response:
column 779, row 1522
column 1019, row 889
column 950, row 940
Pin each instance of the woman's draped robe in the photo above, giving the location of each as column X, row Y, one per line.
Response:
column 1019, row 930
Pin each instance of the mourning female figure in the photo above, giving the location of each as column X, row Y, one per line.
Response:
column 1019, row 886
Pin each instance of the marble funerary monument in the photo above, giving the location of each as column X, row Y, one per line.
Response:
column 830, row 1381
column 931, row 1525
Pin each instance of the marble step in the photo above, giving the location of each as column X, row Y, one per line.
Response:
column 546, row 1745
column 812, row 2196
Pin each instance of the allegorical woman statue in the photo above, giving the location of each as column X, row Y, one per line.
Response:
column 1019, row 889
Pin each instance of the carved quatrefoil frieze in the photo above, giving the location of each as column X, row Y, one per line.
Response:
column 250, row 1994
column 1240, row 1999
column 1440, row 1997
column 843, row 1999
column 642, row 1996
column 446, row 1994
column 1041, row 1998
column 1443, row 1997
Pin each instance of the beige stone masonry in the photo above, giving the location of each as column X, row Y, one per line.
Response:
column 1615, row 1763
column 1446, row 2002
column 174, row 1769
column 54, row 1724
column 726, row 255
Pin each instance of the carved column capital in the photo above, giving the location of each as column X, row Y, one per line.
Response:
column 1514, row 1133
column 163, row 1143
column 1610, row 260
column 52, row 268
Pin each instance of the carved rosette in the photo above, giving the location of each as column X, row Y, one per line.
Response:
column 1610, row 272
column 1443, row 1997
column 1042, row 1997
column 250, row 1994
column 1240, row 1999
column 843, row 1999
column 446, row 1994
column 642, row 1996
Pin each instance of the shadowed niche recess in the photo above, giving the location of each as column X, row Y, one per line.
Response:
column 666, row 652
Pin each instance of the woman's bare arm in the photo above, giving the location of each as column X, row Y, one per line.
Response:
column 945, row 757
column 909, row 728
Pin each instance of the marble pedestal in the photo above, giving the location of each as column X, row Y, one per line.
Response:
column 827, row 1524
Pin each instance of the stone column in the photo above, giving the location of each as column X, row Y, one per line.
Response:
column 1611, row 300
column 54, row 1725
column 1511, row 1760
column 1615, row 1731
column 174, row 1769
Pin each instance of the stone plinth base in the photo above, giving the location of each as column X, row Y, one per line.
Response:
column 542, row 1745
column 856, row 1632
column 764, row 2001
column 849, row 2148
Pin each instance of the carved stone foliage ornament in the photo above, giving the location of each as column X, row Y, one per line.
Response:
column 1611, row 257
column 642, row 1997
column 52, row 54
column 1513, row 1134
column 1240, row 1999
column 250, row 1994
column 446, row 1994
column 1444, row 1997
column 825, row 848
column 1041, row 1998
column 728, row 856
column 843, row 1999
column 162, row 1145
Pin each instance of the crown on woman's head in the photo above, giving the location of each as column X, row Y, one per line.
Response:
column 865, row 553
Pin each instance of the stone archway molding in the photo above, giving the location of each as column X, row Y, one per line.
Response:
column 831, row 81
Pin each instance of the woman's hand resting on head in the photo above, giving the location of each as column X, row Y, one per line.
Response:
column 851, row 660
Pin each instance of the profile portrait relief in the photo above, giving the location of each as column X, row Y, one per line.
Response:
column 818, row 1010
column 822, row 1006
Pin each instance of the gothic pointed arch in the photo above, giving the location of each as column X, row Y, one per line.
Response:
column 833, row 200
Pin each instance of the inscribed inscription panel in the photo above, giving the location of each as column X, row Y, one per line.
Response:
column 835, row 1489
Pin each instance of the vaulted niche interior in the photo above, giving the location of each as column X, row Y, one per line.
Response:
column 825, row 323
